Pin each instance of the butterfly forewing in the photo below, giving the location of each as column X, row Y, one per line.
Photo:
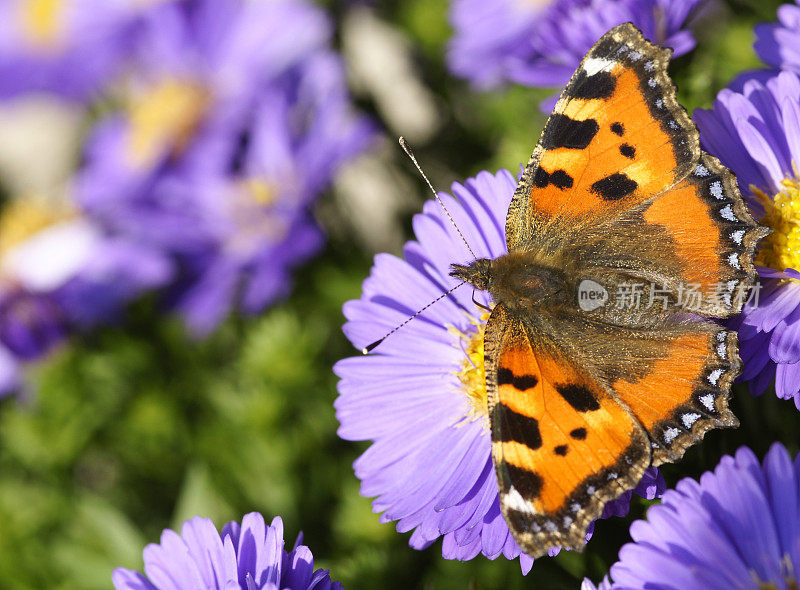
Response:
column 561, row 444
column 616, row 137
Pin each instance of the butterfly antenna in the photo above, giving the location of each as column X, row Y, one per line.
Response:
column 408, row 152
column 371, row 347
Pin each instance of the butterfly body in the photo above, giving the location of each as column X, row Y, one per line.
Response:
column 517, row 280
column 586, row 391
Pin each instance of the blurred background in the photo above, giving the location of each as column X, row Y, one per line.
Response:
column 189, row 191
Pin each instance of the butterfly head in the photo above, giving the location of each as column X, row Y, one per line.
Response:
column 478, row 273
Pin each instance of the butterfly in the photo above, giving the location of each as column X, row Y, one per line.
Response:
column 587, row 384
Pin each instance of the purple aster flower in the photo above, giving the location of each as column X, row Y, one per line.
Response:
column 237, row 118
column 738, row 527
column 490, row 38
column 250, row 556
column 540, row 44
column 778, row 44
column 69, row 48
column 31, row 323
column 10, row 379
column 421, row 398
column 60, row 273
column 587, row 584
column 756, row 133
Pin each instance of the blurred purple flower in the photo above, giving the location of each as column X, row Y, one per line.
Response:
column 491, row 38
column 59, row 274
column 31, row 323
column 250, row 556
column 739, row 527
column 778, row 44
column 238, row 116
column 68, row 48
column 756, row 133
column 421, row 398
column 540, row 44
column 10, row 378
column 587, row 584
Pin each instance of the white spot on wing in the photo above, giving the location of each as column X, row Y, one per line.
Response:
column 689, row 419
column 613, row 475
column 590, row 490
column 722, row 333
column 713, row 377
column 722, row 350
column 513, row 500
column 593, row 65
column 567, row 521
column 716, row 190
column 733, row 259
column 701, row 170
column 708, row 401
column 635, row 55
column 670, row 434
column 737, row 236
column 659, row 104
column 651, row 82
column 575, row 507
column 550, row 526
column 649, row 66
column 727, row 213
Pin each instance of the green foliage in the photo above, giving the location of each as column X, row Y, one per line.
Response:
column 137, row 427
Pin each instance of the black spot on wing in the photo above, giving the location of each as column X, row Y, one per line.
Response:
column 578, row 434
column 521, row 382
column 515, row 427
column 528, row 483
column 561, row 450
column 559, row 178
column 599, row 85
column 617, row 128
column 614, row 187
column 627, row 150
column 564, row 132
column 580, row 398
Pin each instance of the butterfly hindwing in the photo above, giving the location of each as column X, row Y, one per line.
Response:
column 562, row 445
column 713, row 236
column 685, row 393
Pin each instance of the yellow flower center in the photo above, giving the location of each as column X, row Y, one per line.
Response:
column 788, row 574
column 473, row 372
column 781, row 249
column 43, row 22
column 260, row 191
column 23, row 218
column 164, row 118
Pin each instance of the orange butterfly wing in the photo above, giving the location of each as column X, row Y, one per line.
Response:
column 616, row 137
column 562, row 445
column 714, row 237
column 685, row 393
